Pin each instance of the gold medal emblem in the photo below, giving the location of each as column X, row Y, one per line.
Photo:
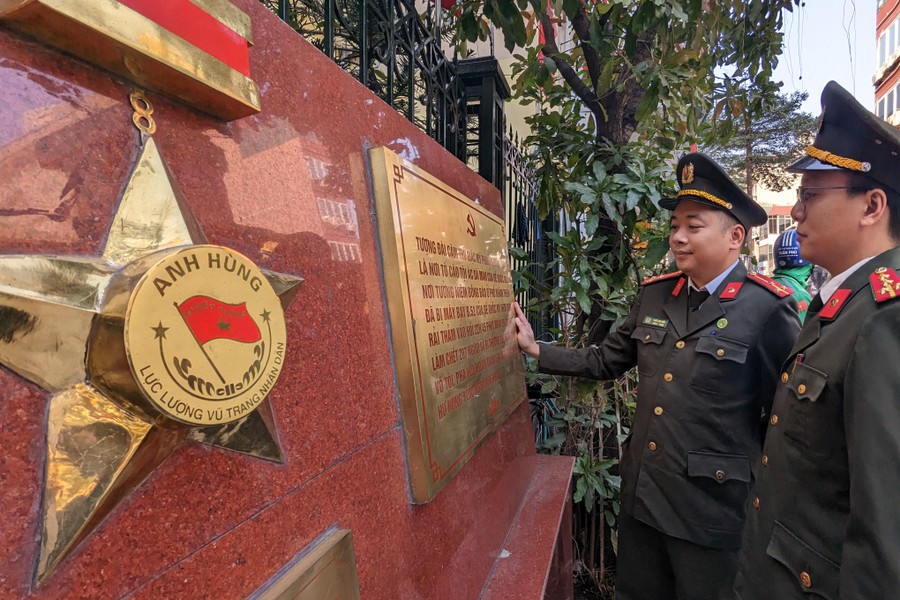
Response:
column 205, row 335
column 687, row 174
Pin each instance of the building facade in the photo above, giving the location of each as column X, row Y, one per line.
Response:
column 886, row 78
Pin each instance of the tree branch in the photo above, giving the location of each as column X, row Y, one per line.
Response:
column 581, row 24
column 579, row 87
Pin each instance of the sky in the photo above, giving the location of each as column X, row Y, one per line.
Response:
column 825, row 40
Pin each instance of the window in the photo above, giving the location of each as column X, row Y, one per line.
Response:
column 881, row 104
column 892, row 36
column 882, row 51
column 890, row 103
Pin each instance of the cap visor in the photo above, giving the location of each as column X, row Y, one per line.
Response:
column 808, row 163
column 669, row 203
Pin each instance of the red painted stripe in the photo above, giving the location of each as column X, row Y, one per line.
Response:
column 195, row 26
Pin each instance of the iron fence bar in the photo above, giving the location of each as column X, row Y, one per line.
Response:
column 331, row 11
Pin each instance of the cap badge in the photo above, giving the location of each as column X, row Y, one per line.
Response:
column 687, row 174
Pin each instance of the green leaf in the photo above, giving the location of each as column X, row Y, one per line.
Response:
column 583, row 301
column 580, row 489
column 550, row 64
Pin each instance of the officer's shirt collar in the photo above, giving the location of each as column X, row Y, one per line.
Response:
column 834, row 282
column 713, row 285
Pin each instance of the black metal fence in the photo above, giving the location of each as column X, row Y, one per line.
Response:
column 528, row 231
column 395, row 52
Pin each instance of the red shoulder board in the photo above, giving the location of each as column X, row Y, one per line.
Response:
column 658, row 278
column 885, row 284
column 731, row 290
column 773, row 286
column 835, row 303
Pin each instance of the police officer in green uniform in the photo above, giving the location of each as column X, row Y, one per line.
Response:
column 824, row 521
column 791, row 269
column 708, row 342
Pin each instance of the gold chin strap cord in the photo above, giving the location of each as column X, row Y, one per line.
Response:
column 838, row 161
column 705, row 196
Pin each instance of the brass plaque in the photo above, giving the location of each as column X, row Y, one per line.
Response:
column 326, row 571
column 449, row 295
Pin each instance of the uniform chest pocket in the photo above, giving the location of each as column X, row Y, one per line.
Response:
column 648, row 335
column 723, row 349
column 649, row 341
column 809, row 422
column 719, row 364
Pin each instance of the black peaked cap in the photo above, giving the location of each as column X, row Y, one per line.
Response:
column 852, row 138
column 702, row 180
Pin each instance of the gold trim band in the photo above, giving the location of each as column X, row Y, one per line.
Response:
column 705, row 196
column 838, row 161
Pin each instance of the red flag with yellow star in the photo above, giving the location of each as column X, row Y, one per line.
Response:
column 208, row 319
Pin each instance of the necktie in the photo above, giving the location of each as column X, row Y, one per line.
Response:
column 816, row 305
column 696, row 298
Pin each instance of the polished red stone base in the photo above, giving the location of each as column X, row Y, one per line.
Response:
column 536, row 561
column 290, row 189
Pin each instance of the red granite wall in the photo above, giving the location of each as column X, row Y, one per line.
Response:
column 290, row 189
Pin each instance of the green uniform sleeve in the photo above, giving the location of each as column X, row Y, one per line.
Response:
column 615, row 355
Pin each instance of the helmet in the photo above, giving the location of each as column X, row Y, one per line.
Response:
column 787, row 250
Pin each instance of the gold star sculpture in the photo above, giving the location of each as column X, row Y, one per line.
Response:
column 123, row 344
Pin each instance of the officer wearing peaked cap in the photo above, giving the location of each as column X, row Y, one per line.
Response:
column 825, row 521
column 707, row 341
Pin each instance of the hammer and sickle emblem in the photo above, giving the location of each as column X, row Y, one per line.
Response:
column 471, row 228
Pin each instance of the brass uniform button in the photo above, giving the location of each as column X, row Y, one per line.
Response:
column 805, row 579
column 720, row 474
column 765, row 460
column 667, row 377
column 720, row 352
column 801, row 389
column 652, row 446
column 756, row 503
column 774, row 420
column 784, row 377
column 658, row 411
column 679, row 344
